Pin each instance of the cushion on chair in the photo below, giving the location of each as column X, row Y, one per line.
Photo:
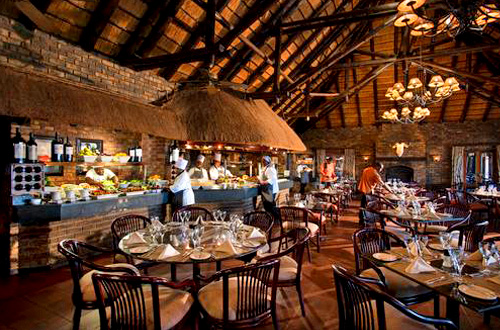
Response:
column 394, row 319
column 313, row 228
column 87, row 286
column 478, row 207
column 397, row 285
column 211, row 296
column 288, row 266
column 315, row 216
column 174, row 305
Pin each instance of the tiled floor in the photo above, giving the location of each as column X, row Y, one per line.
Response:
column 43, row 300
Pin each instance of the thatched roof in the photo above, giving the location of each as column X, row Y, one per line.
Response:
column 209, row 114
column 40, row 97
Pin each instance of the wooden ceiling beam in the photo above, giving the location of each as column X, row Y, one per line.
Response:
column 477, row 77
column 98, row 21
column 153, row 20
column 356, row 96
column 466, row 107
column 341, row 108
column 40, row 5
column 490, row 105
column 374, row 84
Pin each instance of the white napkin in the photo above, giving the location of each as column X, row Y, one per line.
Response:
column 167, row 251
column 135, row 238
column 227, row 247
column 419, row 265
column 411, row 198
column 431, row 214
column 476, row 256
column 423, row 248
column 300, row 204
column 255, row 234
column 156, row 223
column 490, row 261
column 402, row 211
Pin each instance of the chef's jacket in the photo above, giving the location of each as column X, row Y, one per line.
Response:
column 198, row 173
column 271, row 176
column 216, row 172
column 107, row 175
column 182, row 184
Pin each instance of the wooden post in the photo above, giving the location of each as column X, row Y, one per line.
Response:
column 5, row 200
column 464, row 173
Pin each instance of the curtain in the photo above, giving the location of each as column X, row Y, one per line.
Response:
column 498, row 161
column 350, row 163
column 457, row 166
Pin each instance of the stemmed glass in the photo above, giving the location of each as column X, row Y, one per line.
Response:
column 296, row 198
column 408, row 240
column 458, row 258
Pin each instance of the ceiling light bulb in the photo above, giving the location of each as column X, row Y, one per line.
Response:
column 408, row 96
column 436, row 81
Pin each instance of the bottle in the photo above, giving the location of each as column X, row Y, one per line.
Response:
column 19, row 147
column 138, row 154
column 57, row 149
column 32, row 150
column 68, row 151
column 131, row 153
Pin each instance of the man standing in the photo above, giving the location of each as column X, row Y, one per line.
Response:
column 217, row 170
column 198, row 172
column 370, row 179
column 269, row 187
column 303, row 171
column 328, row 171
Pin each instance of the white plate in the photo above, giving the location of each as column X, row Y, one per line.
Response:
column 478, row 292
column 139, row 249
column 386, row 257
column 200, row 255
column 251, row 243
column 436, row 246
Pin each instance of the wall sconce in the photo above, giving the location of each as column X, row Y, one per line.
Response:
column 366, row 158
column 436, row 158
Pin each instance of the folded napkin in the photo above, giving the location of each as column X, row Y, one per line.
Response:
column 135, row 239
column 423, row 248
column 300, row 204
column 156, row 223
column 419, row 265
column 227, row 248
column 411, row 198
column 256, row 234
column 402, row 211
column 490, row 261
column 431, row 215
column 167, row 251
column 476, row 256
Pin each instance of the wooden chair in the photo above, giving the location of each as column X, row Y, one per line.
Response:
column 368, row 241
column 260, row 219
column 471, row 234
column 457, row 211
column 142, row 302
column 297, row 217
column 241, row 297
column 195, row 212
column 289, row 249
column 78, row 253
column 124, row 225
column 332, row 205
column 362, row 305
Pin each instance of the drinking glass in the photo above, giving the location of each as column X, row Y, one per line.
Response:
column 458, row 258
column 408, row 240
column 296, row 198
column 445, row 239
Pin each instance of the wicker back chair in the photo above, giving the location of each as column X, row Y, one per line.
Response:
column 298, row 217
column 471, row 234
column 240, row 297
column 140, row 302
column 195, row 212
column 78, row 253
column 366, row 307
column 260, row 219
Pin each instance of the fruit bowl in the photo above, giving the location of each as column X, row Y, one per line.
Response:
column 89, row 159
column 123, row 159
column 106, row 159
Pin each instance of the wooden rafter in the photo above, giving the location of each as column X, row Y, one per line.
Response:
column 490, row 105
column 97, row 23
column 469, row 92
column 356, row 97
column 341, row 107
column 41, row 6
column 374, row 84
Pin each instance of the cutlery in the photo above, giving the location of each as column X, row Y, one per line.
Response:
column 434, row 280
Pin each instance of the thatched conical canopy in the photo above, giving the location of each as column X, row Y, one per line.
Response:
column 208, row 114
column 62, row 102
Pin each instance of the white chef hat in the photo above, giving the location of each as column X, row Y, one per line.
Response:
column 181, row 163
column 200, row 158
column 218, row 157
column 267, row 159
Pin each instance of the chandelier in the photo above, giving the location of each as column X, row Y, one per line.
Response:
column 449, row 16
column 415, row 97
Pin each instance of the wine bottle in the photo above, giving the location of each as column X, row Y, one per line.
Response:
column 68, row 151
column 19, row 147
column 57, row 149
column 138, row 154
column 131, row 153
column 32, row 149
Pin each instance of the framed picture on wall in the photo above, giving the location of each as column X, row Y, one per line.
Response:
column 89, row 143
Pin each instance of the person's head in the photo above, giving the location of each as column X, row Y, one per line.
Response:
column 181, row 164
column 217, row 159
column 99, row 170
column 329, row 160
column 378, row 166
column 200, row 160
column 266, row 160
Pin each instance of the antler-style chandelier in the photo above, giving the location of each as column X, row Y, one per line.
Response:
column 415, row 97
column 449, row 16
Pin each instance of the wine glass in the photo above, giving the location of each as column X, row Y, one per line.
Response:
column 408, row 240
column 458, row 258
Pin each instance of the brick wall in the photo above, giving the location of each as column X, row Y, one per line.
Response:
column 424, row 140
column 36, row 245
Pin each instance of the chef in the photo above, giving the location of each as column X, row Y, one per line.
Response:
column 183, row 193
column 269, row 186
column 217, row 170
column 97, row 174
column 198, row 172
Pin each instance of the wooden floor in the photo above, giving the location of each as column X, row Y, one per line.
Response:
column 43, row 300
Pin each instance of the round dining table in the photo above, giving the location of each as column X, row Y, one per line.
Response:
column 215, row 246
column 421, row 219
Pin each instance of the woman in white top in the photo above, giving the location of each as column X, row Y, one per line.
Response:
column 183, row 193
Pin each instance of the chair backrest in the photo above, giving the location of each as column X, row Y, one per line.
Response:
column 458, row 210
column 260, row 219
column 195, row 212
column 371, row 240
column 370, row 218
column 129, row 306
column 361, row 306
column 471, row 235
column 294, row 216
column 255, row 282
column 124, row 225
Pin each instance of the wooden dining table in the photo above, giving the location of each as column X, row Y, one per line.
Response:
column 418, row 220
column 446, row 284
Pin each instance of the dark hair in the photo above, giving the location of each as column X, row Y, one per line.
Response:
column 378, row 165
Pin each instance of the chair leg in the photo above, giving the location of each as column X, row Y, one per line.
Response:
column 76, row 318
column 301, row 299
column 318, row 238
column 218, row 265
column 436, row 306
column 275, row 318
